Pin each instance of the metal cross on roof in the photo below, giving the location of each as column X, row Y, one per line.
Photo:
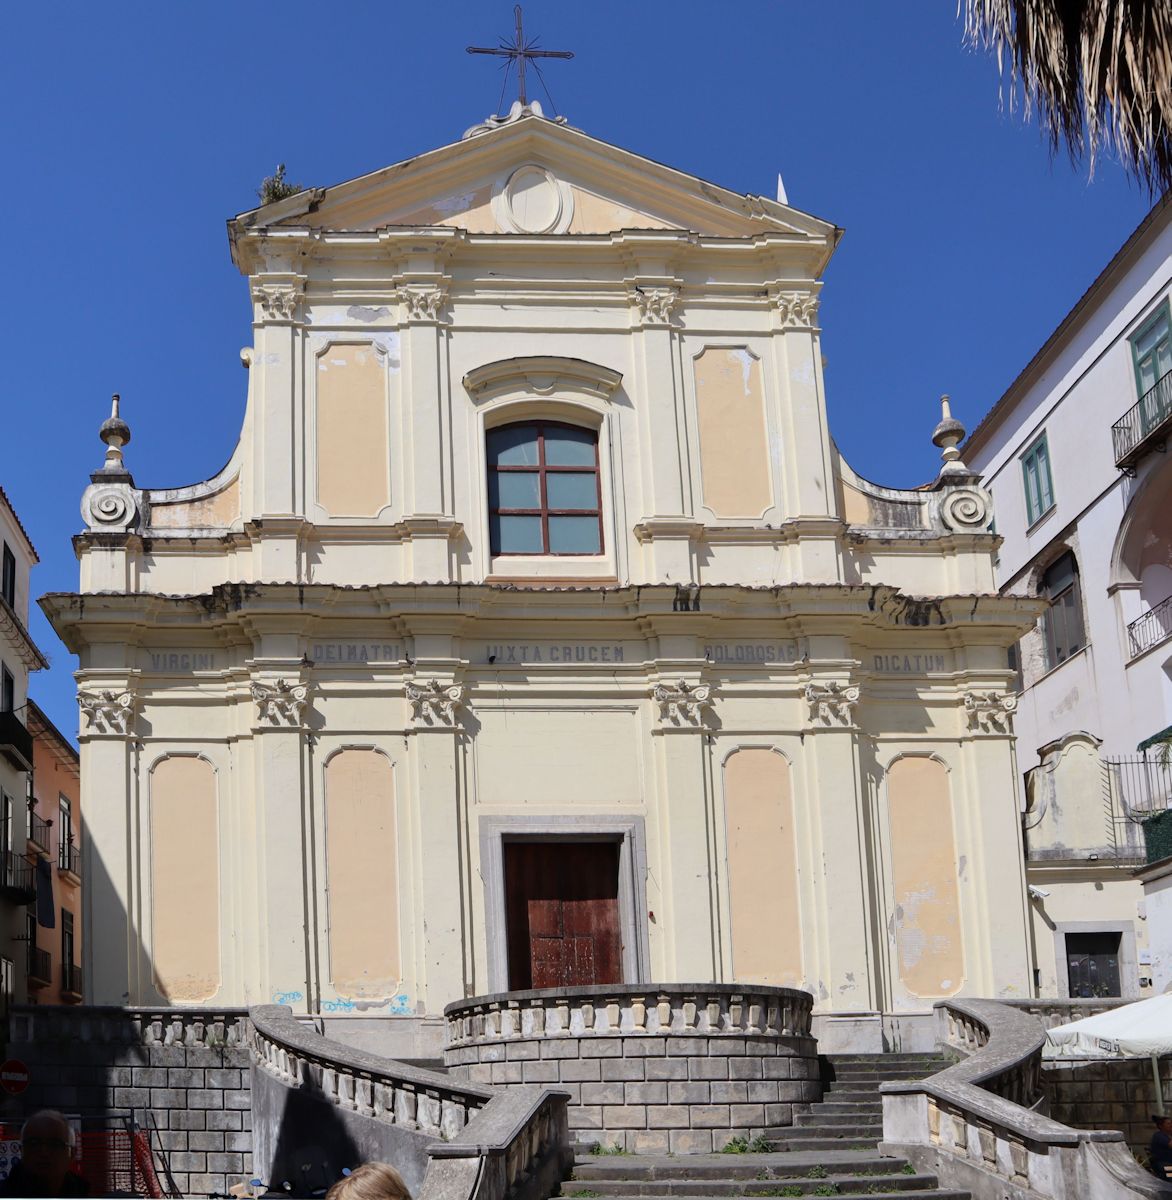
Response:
column 521, row 52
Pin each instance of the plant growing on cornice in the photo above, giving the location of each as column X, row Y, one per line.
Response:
column 276, row 187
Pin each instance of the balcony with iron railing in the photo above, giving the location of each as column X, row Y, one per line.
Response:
column 69, row 861
column 1150, row 628
column 17, row 882
column 71, row 983
column 40, row 968
column 16, row 743
column 40, row 834
column 1145, row 426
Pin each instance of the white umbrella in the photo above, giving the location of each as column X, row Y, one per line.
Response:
column 1140, row 1030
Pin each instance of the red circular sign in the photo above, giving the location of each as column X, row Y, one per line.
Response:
column 13, row 1076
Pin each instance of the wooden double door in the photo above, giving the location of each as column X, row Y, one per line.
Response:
column 562, row 914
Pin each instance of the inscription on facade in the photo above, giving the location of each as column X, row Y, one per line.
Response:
column 908, row 664
column 355, row 652
column 752, row 652
column 499, row 653
column 182, row 660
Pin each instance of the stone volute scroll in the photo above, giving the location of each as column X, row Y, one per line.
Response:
column 107, row 712
column 990, row 712
column 434, row 703
column 280, row 705
column 831, row 704
column 961, row 504
column 423, row 304
column 682, row 704
column 112, row 504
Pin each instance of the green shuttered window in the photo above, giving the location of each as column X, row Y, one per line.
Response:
column 1039, row 490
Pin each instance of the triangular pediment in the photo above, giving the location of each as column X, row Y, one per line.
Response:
column 534, row 176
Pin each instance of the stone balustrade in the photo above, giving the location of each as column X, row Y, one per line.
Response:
column 194, row 1027
column 1061, row 1012
column 671, row 1068
column 714, row 1010
column 451, row 1140
column 976, row 1125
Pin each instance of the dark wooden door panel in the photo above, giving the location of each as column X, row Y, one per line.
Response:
column 562, row 914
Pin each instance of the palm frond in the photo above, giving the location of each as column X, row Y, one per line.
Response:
column 1098, row 73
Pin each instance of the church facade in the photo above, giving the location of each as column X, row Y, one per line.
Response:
column 537, row 634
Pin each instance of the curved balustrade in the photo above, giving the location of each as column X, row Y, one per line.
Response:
column 465, row 1142
column 979, row 1118
column 714, row 1010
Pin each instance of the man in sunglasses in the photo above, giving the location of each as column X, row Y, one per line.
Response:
column 46, row 1151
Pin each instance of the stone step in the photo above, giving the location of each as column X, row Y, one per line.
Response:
column 791, row 1165
column 856, row 1108
column 892, row 1058
column 809, row 1187
column 819, row 1116
column 862, row 1142
column 845, row 1095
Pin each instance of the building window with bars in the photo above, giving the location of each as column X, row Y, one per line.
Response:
column 544, row 495
column 1039, row 488
column 1062, row 621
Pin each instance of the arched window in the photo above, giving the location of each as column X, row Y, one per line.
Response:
column 1063, row 619
column 543, row 489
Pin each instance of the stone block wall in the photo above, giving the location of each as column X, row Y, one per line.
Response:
column 667, row 1070
column 1109, row 1093
column 188, row 1069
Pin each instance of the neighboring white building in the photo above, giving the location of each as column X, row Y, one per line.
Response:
column 1075, row 456
column 18, row 656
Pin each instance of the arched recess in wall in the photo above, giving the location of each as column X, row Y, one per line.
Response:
column 362, row 876
column 929, row 946
column 1143, row 548
column 185, row 878
column 765, row 916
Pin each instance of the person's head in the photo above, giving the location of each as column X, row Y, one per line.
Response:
column 371, row 1181
column 46, row 1147
column 1162, row 1123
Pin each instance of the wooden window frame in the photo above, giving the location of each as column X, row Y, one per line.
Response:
column 1162, row 312
column 8, row 576
column 1030, row 461
column 1049, row 619
column 542, row 469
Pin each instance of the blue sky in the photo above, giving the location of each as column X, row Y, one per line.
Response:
column 133, row 130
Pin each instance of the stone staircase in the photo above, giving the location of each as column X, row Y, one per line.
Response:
column 830, row 1150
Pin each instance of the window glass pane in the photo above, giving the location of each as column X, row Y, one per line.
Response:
column 573, row 535
column 569, row 447
column 514, row 489
column 513, row 446
column 515, row 535
column 1045, row 491
column 1033, row 504
column 572, row 490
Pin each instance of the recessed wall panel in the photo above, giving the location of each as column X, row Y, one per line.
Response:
column 734, row 449
column 353, row 468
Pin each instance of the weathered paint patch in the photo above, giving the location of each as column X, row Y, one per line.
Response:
column 734, row 451
column 762, row 868
column 208, row 512
column 185, row 879
column 926, row 921
column 353, row 471
column 362, row 874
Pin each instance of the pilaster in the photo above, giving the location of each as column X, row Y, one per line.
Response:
column 681, row 724
column 435, row 728
column 112, row 943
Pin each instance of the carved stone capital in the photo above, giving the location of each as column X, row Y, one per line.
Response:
column 277, row 301
column 681, row 704
column 990, row 712
column 282, row 704
column 797, row 310
column 655, row 305
column 434, row 704
column 831, row 703
column 423, row 303
column 111, row 507
column 107, row 712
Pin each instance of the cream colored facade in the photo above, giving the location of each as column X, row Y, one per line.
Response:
column 321, row 706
